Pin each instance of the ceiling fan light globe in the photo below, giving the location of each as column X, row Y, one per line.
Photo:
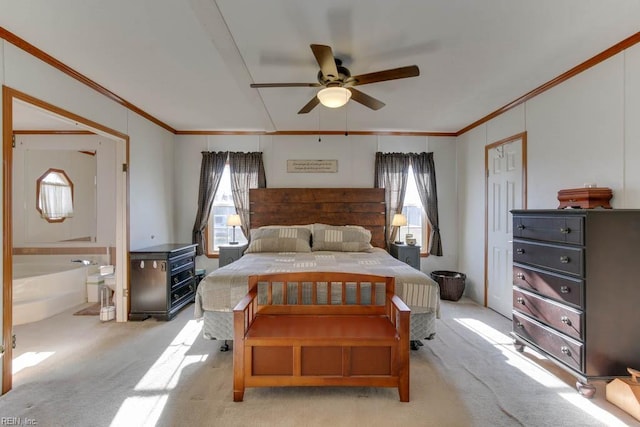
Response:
column 334, row 97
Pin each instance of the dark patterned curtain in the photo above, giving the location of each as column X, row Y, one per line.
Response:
column 424, row 171
column 247, row 171
column 391, row 172
column 210, row 173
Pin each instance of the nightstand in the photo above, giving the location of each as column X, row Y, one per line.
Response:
column 406, row 253
column 230, row 253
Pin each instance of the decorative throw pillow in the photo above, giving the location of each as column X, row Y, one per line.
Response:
column 342, row 238
column 285, row 239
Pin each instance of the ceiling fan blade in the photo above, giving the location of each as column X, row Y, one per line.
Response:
column 259, row 85
column 366, row 100
column 381, row 76
column 324, row 56
column 310, row 105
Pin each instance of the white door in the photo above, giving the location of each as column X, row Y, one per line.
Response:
column 504, row 193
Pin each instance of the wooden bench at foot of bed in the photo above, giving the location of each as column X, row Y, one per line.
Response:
column 321, row 329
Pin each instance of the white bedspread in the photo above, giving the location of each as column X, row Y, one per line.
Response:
column 223, row 288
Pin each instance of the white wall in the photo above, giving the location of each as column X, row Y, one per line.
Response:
column 99, row 198
column 150, row 146
column 356, row 158
column 151, row 174
column 586, row 130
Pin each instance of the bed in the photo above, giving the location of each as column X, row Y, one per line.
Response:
column 282, row 220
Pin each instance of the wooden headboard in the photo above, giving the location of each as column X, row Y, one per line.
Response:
column 333, row 206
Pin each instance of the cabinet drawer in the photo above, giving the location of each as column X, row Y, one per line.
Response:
column 550, row 229
column 179, row 294
column 560, row 288
column 566, row 259
column 181, row 262
column 558, row 316
column 179, row 278
column 563, row 348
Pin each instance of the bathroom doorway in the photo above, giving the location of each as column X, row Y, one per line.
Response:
column 62, row 122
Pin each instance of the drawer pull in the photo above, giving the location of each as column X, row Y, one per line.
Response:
column 175, row 280
column 564, row 289
column 565, row 230
column 519, row 251
column 565, row 350
column 565, row 320
column 520, row 300
column 564, row 259
column 520, row 227
column 519, row 325
column 520, row 276
column 176, row 297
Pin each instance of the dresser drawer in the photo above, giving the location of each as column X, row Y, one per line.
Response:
column 181, row 293
column 560, row 317
column 179, row 278
column 563, row 348
column 565, row 259
column 560, row 288
column 550, row 229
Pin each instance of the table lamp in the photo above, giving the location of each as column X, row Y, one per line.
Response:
column 398, row 221
column 234, row 220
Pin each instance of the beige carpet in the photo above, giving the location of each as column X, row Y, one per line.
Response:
column 92, row 310
column 164, row 373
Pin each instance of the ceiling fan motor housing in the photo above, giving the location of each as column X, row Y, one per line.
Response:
column 339, row 80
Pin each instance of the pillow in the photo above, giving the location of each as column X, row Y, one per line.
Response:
column 279, row 239
column 343, row 238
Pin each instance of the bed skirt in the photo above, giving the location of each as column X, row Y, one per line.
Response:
column 218, row 325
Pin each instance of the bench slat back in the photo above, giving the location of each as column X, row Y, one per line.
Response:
column 312, row 293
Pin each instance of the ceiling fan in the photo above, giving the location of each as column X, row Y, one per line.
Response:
column 339, row 83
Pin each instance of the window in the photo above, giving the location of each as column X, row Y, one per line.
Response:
column 416, row 217
column 54, row 194
column 218, row 232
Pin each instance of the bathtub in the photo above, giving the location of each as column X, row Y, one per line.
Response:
column 43, row 290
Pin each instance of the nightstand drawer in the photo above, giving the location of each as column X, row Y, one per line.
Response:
column 550, row 229
column 560, row 258
column 565, row 349
column 560, row 317
column 560, row 288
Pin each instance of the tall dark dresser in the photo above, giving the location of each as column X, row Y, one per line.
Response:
column 162, row 280
column 576, row 276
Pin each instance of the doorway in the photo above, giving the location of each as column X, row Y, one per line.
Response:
column 10, row 98
column 505, row 189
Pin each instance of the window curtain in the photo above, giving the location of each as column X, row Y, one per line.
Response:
column 424, row 172
column 247, row 171
column 391, row 172
column 210, row 174
column 56, row 201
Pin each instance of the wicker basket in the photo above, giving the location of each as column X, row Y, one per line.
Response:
column 451, row 284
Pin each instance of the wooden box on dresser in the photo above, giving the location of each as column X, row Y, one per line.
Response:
column 576, row 289
column 162, row 280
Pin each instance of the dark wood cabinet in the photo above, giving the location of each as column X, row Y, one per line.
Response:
column 162, row 280
column 406, row 253
column 576, row 289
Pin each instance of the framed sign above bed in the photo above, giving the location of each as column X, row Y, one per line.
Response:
column 312, row 166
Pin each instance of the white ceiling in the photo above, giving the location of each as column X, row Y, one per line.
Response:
column 189, row 63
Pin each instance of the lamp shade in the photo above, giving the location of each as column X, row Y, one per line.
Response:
column 234, row 220
column 399, row 220
column 334, row 97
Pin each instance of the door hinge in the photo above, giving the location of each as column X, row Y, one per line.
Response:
column 125, row 167
column 13, row 141
column 13, row 341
